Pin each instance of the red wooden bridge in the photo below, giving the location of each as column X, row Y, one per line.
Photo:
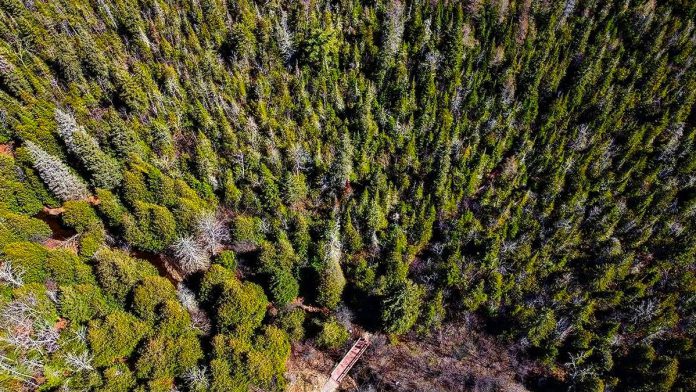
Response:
column 344, row 366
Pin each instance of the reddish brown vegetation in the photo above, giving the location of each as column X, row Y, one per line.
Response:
column 7, row 149
column 457, row 358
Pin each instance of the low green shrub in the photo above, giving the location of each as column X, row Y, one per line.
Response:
column 333, row 335
column 227, row 259
column 79, row 215
column 81, row 303
column 29, row 258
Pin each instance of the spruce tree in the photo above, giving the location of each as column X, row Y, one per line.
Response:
column 58, row 177
column 104, row 170
column 331, row 278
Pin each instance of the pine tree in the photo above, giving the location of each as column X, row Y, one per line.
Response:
column 104, row 170
column 206, row 160
column 401, row 307
column 269, row 189
column 58, row 177
column 331, row 278
column 342, row 167
column 283, row 286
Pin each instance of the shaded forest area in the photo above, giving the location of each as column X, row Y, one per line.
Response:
column 187, row 189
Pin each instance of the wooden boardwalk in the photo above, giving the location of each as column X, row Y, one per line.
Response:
column 343, row 367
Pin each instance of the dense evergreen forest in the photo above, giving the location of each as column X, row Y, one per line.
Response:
column 190, row 188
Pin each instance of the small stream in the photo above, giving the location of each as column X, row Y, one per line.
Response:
column 62, row 233
column 162, row 263
column 58, row 231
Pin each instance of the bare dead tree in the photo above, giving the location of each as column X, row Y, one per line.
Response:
column 395, row 28
column 197, row 378
column 47, row 337
column 577, row 369
column 80, row 362
column 284, row 37
column 199, row 317
column 15, row 369
column 31, row 334
column 299, row 157
column 645, row 311
column 190, row 255
column 212, row 233
column 11, row 275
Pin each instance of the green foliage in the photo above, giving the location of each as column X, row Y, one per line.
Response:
column 362, row 274
column 29, row 258
column 529, row 162
column 240, row 363
column 104, row 170
column 166, row 356
column 118, row 378
column 91, row 241
column 433, row 313
column 591, row 383
column 110, row 206
column 16, row 194
column 542, row 327
column 227, row 259
column 240, row 308
column 292, row 322
column 333, row 335
column 245, row 228
column 150, row 293
column 135, row 187
column 152, row 228
column 266, row 363
column 173, row 349
column 206, row 160
column 331, row 278
column 129, row 92
column 81, row 303
column 115, row 337
column 64, row 267
column 221, row 378
column 295, row 188
column 213, row 282
column 401, row 307
column 283, row 286
column 352, row 236
column 331, row 284
column 118, row 273
column 79, row 215
column 476, row 297
column 22, row 228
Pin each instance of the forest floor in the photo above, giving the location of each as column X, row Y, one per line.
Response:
column 458, row 357
column 309, row 369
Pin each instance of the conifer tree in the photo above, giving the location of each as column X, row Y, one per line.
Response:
column 401, row 307
column 526, row 165
column 331, row 279
column 58, row 177
column 104, row 170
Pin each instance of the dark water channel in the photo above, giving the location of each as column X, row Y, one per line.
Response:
column 58, row 231
column 61, row 233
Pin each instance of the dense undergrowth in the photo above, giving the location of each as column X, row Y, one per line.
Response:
column 397, row 163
